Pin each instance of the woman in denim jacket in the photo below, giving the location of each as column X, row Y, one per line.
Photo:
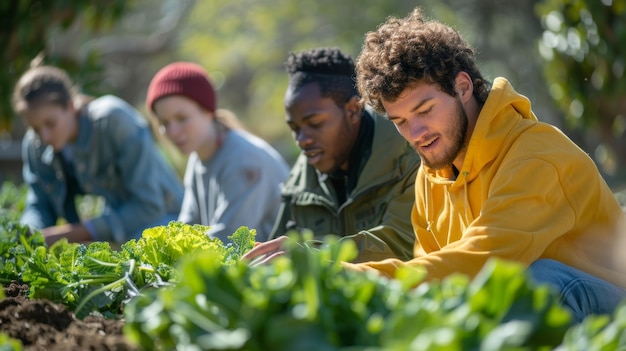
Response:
column 79, row 145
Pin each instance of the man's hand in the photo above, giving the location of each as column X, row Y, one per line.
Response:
column 266, row 251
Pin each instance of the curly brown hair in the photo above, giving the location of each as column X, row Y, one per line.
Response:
column 404, row 52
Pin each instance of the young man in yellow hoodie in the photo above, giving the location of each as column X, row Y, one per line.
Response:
column 494, row 181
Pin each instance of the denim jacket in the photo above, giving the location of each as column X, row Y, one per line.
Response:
column 115, row 157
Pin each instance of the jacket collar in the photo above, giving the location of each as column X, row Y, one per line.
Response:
column 387, row 146
column 85, row 129
column 345, row 181
column 387, row 151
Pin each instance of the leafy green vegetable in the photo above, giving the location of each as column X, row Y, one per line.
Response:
column 97, row 278
column 207, row 299
column 308, row 301
column 12, row 200
column 603, row 333
column 240, row 242
column 16, row 246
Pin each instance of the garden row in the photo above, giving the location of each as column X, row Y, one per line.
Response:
column 176, row 289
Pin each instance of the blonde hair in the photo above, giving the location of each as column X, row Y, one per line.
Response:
column 228, row 119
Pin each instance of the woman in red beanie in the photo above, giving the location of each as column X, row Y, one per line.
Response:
column 232, row 177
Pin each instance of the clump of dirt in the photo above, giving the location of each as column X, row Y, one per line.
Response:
column 41, row 325
column 16, row 290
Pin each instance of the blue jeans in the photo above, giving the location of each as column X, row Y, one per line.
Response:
column 582, row 293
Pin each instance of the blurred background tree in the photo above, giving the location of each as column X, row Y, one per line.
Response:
column 243, row 43
column 105, row 45
column 26, row 27
column 584, row 51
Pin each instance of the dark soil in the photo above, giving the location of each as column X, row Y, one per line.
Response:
column 45, row 326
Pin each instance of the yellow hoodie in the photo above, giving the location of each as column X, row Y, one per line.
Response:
column 525, row 192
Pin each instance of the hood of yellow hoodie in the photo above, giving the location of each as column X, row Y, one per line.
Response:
column 497, row 118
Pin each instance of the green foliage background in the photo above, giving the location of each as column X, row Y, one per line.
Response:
column 585, row 60
column 565, row 55
column 26, row 25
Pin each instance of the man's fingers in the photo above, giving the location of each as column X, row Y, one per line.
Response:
column 259, row 259
column 265, row 248
column 266, row 259
column 260, row 250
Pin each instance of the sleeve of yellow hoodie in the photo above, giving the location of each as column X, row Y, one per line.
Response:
column 521, row 210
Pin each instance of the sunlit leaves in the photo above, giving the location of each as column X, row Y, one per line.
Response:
column 305, row 301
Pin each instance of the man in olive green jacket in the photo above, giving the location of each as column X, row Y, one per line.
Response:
column 355, row 175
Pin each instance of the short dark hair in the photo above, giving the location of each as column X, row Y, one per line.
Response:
column 403, row 52
column 330, row 68
column 43, row 85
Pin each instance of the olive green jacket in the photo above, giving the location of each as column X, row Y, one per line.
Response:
column 376, row 215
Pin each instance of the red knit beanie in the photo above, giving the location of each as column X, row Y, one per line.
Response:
column 182, row 78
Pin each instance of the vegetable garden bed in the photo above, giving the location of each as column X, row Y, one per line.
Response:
column 72, row 296
column 41, row 325
column 176, row 289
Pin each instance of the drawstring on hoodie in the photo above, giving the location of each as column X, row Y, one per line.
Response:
column 429, row 205
column 466, row 199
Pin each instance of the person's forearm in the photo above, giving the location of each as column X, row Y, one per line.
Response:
column 74, row 232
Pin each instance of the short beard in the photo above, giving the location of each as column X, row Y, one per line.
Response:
column 458, row 135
